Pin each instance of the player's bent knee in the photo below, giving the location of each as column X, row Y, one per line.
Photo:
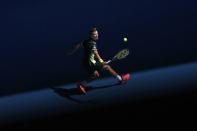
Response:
column 106, row 67
column 96, row 74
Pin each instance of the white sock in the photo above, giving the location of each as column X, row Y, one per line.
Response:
column 119, row 77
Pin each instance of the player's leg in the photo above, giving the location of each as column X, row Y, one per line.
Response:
column 110, row 70
column 82, row 86
column 121, row 78
column 91, row 77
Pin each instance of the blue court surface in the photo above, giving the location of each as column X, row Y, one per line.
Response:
column 54, row 101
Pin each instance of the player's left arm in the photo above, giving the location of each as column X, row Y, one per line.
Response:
column 75, row 48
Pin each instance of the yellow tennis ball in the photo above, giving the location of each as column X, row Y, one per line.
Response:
column 125, row 39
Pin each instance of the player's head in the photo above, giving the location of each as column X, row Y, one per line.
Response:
column 94, row 34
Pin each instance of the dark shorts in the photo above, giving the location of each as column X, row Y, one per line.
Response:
column 91, row 68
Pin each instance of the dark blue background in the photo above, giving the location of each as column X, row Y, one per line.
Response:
column 35, row 36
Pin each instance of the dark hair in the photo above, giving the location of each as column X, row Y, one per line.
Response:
column 92, row 30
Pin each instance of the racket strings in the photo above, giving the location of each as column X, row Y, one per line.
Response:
column 122, row 54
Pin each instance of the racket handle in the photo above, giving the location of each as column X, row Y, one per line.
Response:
column 108, row 61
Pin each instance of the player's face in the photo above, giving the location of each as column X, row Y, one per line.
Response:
column 94, row 35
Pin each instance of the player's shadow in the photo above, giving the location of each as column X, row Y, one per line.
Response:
column 68, row 93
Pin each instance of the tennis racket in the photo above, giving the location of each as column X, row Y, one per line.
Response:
column 120, row 55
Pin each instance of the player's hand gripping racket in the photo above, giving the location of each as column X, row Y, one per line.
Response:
column 120, row 55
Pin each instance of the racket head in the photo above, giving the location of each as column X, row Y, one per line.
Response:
column 121, row 54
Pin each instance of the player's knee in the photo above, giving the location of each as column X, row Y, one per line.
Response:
column 96, row 74
column 106, row 67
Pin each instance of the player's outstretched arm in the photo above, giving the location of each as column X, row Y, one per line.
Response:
column 75, row 48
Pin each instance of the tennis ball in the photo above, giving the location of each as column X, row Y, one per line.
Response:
column 125, row 39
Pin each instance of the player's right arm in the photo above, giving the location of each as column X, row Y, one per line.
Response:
column 98, row 57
